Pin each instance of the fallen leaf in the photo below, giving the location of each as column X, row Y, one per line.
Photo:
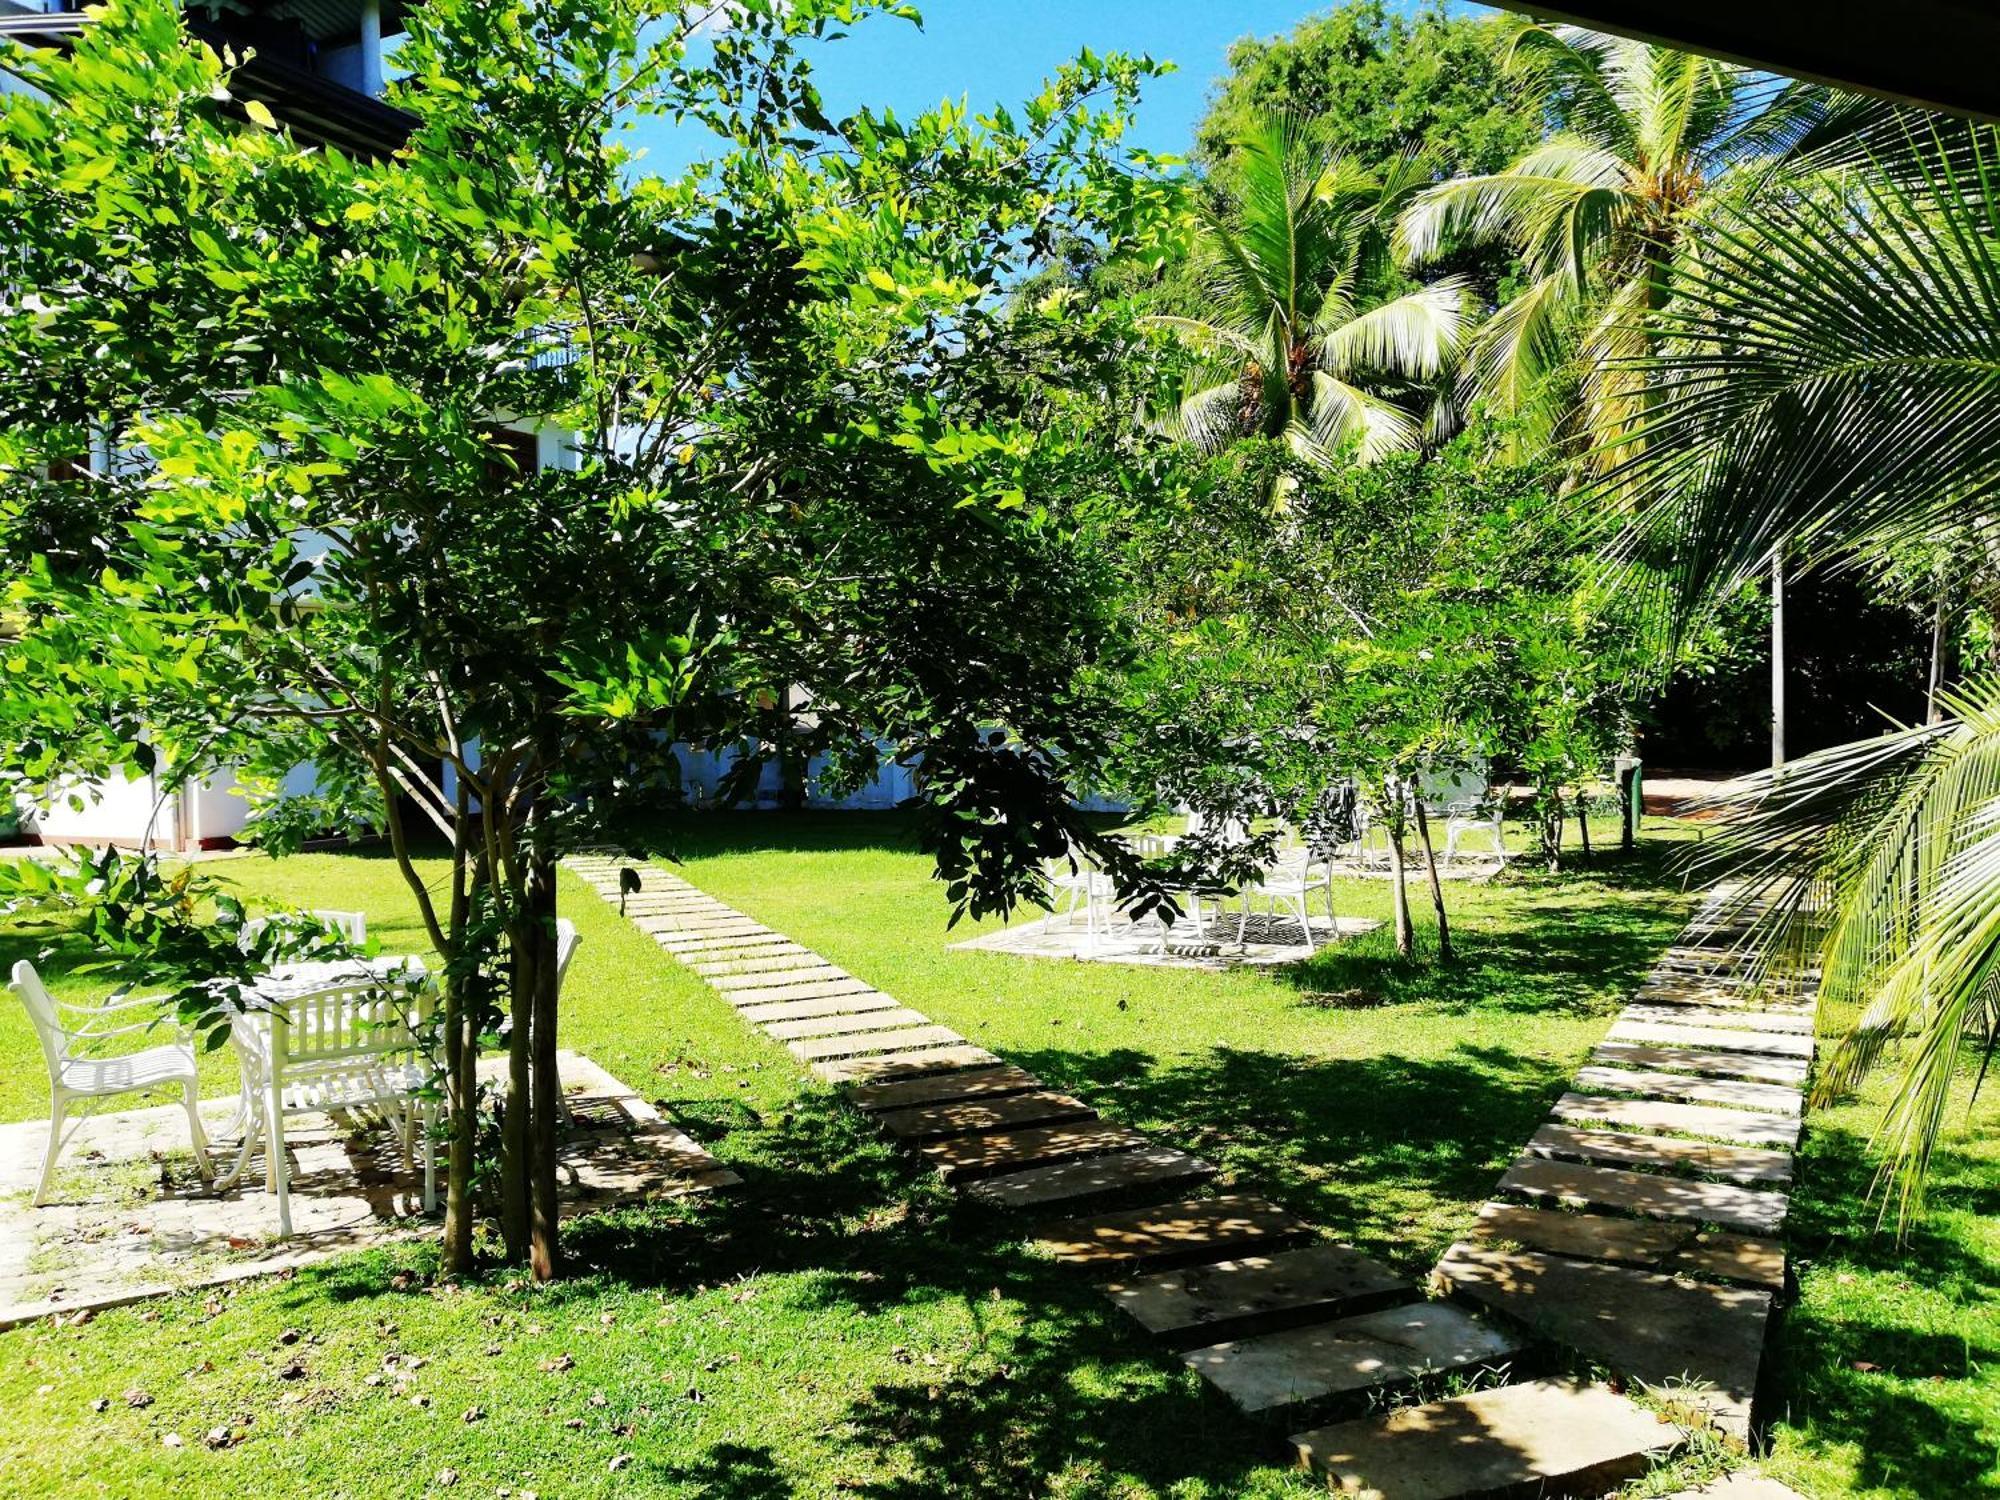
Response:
column 475, row 1414
column 557, row 1365
column 170, row 1440
column 598, row 1398
column 292, row 1371
column 100, row 1404
column 447, row 1478
column 137, row 1399
column 1864, row 1367
column 219, row 1437
column 622, row 1461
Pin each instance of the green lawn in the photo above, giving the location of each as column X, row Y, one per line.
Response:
column 839, row 1325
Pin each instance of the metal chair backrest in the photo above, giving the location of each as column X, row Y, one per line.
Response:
column 567, row 939
column 352, row 925
column 344, row 1023
column 49, row 1029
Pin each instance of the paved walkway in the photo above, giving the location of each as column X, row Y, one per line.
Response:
column 1278, row 1317
column 131, row 1219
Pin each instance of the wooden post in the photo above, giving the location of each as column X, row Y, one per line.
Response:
column 1625, row 773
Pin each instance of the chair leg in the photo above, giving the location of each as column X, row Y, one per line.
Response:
column 191, row 1097
column 276, row 1170
column 407, row 1125
column 57, row 1107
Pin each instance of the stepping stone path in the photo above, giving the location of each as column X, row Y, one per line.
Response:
column 1677, row 1139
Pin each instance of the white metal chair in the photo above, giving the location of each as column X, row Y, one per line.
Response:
column 347, row 1047
column 1291, row 884
column 1482, row 819
column 74, row 1075
column 352, row 925
column 566, row 945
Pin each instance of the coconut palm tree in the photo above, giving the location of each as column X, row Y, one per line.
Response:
column 1825, row 371
column 1596, row 212
column 1296, row 340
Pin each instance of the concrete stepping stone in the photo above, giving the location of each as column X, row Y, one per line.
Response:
column 959, row 1157
column 1719, row 994
column 812, row 973
column 819, row 989
column 656, row 926
column 1651, row 1244
column 1234, row 1298
column 972, row 1083
column 759, row 963
column 1273, row 1371
column 1195, row 1230
column 1091, row 1177
column 746, row 945
column 1648, row 1193
column 1740, row 1018
column 681, row 944
column 1772, row 1098
column 1744, row 1484
column 1655, row 1034
column 898, row 1066
column 821, row 1048
column 1565, row 1435
column 1621, row 1148
column 825, row 1005
column 1655, row 1328
column 1742, row 1126
column 1747, row 1066
column 970, row 1116
column 847, row 1024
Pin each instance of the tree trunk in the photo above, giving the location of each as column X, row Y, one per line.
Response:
column 1583, row 824
column 1552, row 830
column 1399, row 891
column 516, row 1176
column 461, row 1061
column 1437, row 886
column 545, row 1083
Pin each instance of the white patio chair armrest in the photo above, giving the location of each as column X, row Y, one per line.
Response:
column 111, row 1007
column 89, row 1033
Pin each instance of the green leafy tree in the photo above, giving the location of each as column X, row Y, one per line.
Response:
column 1294, row 340
column 1377, row 85
column 1399, row 622
column 806, row 438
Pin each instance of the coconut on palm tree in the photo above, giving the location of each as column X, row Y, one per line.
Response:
column 1596, row 212
column 1306, row 332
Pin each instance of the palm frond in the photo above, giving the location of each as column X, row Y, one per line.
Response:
column 1344, row 414
column 1417, row 335
column 1880, row 860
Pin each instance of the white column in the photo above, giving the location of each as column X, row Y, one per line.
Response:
column 371, row 48
column 1778, row 658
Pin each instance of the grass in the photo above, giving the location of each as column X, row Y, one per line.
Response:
column 840, row 1326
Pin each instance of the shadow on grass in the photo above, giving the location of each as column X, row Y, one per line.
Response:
column 1071, row 1398
column 1859, row 1363
column 1075, row 1392
column 1384, row 1152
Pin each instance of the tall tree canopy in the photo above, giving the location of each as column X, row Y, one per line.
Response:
column 1377, row 84
column 804, row 435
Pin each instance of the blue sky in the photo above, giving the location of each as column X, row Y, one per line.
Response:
column 998, row 51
